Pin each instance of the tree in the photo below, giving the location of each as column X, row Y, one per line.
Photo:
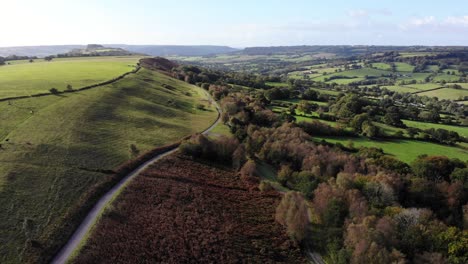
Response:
column 306, row 107
column 293, row 213
column 310, row 94
column 357, row 121
column 348, row 106
column 48, row 58
column 412, row 131
column 369, row 129
column 69, row 87
column 393, row 117
column 434, row 168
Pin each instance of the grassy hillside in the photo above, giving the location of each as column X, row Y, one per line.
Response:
column 55, row 148
column 24, row 78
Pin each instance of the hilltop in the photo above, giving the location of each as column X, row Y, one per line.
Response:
column 153, row 50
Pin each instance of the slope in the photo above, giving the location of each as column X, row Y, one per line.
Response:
column 56, row 151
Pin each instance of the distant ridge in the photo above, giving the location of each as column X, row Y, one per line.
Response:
column 39, row 51
column 167, row 50
column 153, row 50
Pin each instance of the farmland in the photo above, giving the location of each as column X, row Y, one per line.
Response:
column 184, row 211
column 58, row 150
column 447, row 94
column 405, row 150
column 22, row 78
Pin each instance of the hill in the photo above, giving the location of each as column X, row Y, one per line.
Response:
column 97, row 50
column 39, row 51
column 59, row 152
column 166, row 50
column 153, row 50
column 24, row 78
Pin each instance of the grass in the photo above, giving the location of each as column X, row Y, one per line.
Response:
column 424, row 86
column 446, row 77
column 56, row 145
column 277, row 84
column 405, row 150
column 446, row 93
column 20, row 79
column 382, row 66
column 404, row 67
column 221, row 129
column 463, row 131
column 297, row 100
column 401, row 89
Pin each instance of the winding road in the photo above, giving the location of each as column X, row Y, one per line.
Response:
column 80, row 234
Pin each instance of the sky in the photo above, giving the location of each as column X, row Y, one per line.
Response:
column 235, row 23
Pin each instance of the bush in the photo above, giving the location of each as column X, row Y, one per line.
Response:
column 53, row 90
column 220, row 149
column 201, row 107
column 265, row 186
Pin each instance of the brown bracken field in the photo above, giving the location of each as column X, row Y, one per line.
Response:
column 184, row 211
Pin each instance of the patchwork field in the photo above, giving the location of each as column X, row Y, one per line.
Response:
column 447, row 94
column 405, row 150
column 24, row 78
column 463, row 131
column 55, row 150
column 181, row 211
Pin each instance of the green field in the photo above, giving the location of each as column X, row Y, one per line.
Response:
column 446, row 77
column 405, row 150
column 424, row 86
column 462, row 131
column 353, row 75
column 53, row 147
column 404, row 67
column 382, row 66
column 446, row 93
column 401, row 89
column 24, row 78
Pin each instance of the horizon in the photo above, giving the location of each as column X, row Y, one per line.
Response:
column 263, row 24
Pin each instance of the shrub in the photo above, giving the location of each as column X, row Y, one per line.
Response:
column 220, row 149
column 249, row 168
column 53, row 90
column 201, row 107
column 265, row 186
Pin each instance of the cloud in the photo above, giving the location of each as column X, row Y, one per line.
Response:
column 358, row 13
column 451, row 23
column 457, row 21
column 365, row 13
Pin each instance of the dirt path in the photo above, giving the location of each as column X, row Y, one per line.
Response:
column 80, row 234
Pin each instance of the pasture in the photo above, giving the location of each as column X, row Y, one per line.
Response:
column 462, row 131
column 447, row 94
column 23, row 78
column 56, row 150
column 405, row 150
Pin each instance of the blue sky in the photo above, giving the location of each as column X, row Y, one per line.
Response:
column 238, row 23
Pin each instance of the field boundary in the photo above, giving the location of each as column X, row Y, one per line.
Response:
column 113, row 80
column 89, row 209
column 428, row 90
